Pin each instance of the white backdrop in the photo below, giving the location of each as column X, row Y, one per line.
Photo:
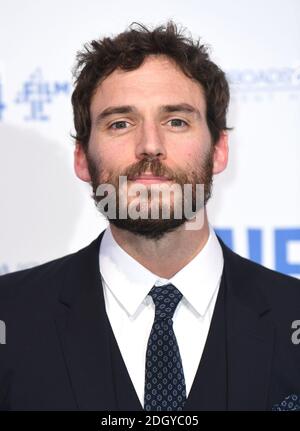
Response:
column 47, row 212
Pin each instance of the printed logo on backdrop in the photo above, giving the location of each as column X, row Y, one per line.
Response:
column 284, row 241
column 33, row 96
column 264, row 84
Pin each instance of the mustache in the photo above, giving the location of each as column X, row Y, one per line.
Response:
column 149, row 165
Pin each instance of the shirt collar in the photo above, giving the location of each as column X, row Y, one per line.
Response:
column 130, row 282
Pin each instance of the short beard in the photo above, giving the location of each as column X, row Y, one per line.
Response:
column 154, row 228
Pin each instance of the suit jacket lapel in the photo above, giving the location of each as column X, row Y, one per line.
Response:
column 86, row 337
column 235, row 368
column 250, row 335
column 83, row 333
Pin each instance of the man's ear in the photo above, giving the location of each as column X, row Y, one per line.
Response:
column 220, row 158
column 80, row 163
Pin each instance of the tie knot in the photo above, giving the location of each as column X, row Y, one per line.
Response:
column 166, row 298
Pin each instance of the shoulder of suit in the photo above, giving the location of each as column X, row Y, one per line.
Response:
column 37, row 279
column 277, row 287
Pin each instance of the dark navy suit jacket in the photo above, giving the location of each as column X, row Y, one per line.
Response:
column 61, row 354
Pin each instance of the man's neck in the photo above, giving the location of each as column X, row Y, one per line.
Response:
column 167, row 255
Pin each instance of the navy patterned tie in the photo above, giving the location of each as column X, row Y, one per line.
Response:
column 164, row 377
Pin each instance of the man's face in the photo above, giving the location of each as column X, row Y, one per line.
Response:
column 150, row 125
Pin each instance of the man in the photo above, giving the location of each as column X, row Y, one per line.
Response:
column 156, row 313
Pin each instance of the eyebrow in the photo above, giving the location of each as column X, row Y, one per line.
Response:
column 129, row 109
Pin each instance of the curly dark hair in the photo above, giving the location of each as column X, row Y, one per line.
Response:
column 127, row 51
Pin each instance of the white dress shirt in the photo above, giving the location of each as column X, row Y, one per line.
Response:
column 126, row 284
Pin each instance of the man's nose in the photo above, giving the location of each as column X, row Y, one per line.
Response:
column 150, row 142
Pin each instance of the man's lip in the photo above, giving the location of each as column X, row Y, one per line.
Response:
column 149, row 177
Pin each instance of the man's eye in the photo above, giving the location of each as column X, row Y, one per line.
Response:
column 177, row 122
column 118, row 125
